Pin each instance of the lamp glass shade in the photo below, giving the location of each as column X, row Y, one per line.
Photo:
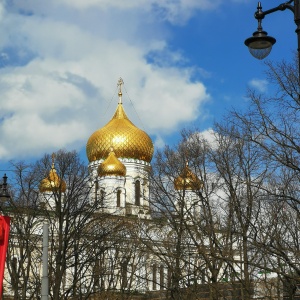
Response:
column 260, row 44
column 260, row 53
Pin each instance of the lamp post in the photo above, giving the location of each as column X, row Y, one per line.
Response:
column 260, row 44
column 4, row 232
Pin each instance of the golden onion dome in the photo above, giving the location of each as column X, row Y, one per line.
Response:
column 187, row 180
column 127, row 140
column 52, row 182
column 111, row 167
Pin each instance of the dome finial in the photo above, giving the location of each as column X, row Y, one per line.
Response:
column 120, row 82
column 53, row 159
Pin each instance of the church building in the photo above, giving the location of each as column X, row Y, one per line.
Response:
column 127, row 250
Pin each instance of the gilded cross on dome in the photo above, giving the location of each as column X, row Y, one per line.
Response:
column 120, row 82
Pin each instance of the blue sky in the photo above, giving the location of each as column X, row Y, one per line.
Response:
column 183, row 62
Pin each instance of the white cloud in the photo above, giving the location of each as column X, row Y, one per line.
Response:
column 158, row 143
column 210, row 136
column 59, row 76
column 1, row 10
column 260, row 84
column 174, row 11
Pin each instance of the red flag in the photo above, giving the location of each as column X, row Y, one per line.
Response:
column 4, row 233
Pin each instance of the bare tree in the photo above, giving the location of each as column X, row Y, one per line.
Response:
column 244, row 174
column 271, row 123
column 74, row 247
column 23, row 257
column 192, row 237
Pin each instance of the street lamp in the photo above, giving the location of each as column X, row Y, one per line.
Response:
column 260, row 44
column 4, row 195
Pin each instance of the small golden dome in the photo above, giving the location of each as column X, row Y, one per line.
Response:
column 111, row 167
column 187, row 180
column 127, row 140
column 52, row 182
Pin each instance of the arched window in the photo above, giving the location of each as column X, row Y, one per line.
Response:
column 119, row 192
column 137, row 192
column 124, row 270
column 102, row 196
column 169, row 278
column 161, row 277
column 96, row 274
column 154, row 278
column 96, row 190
